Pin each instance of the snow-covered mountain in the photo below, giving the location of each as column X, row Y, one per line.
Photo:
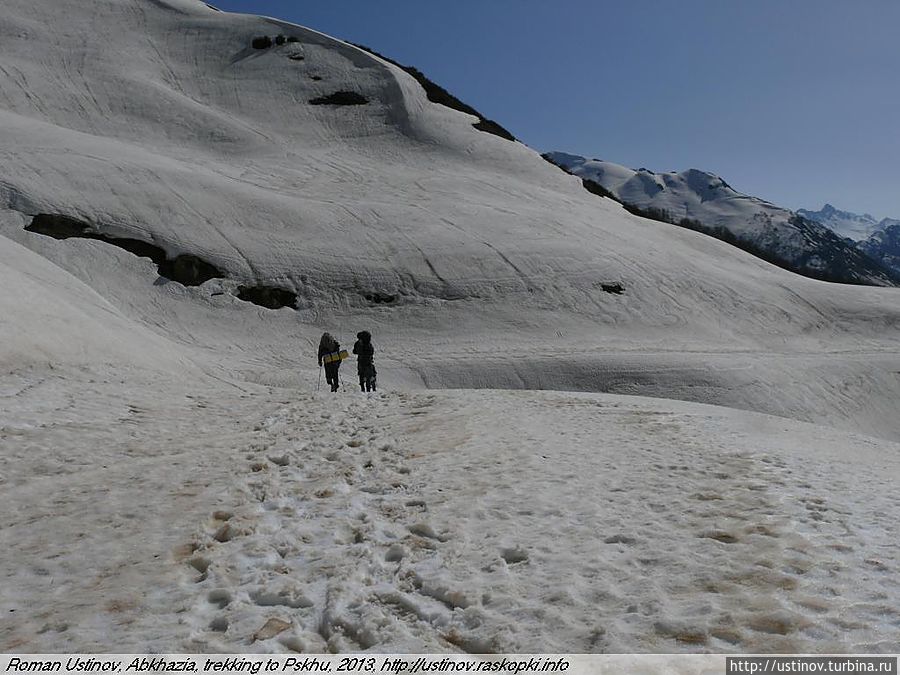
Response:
column 705, row 202
column 189, row 198
column 849, row 225
column 878, row 239
column 884, row 244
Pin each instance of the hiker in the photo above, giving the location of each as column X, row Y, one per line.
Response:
column 329, row 353
column 365, row 360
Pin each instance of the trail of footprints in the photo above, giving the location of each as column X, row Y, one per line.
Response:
column 327, row 548
column 782, row 553
column 319, row 552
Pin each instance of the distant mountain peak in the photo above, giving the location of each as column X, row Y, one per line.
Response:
column 845, row 223
column 805, row 242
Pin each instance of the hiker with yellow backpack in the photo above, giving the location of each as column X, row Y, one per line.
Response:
column 330, row 355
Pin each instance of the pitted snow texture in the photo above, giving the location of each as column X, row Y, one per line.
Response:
column 489, row 522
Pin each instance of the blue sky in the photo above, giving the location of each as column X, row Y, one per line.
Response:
column 793, row 101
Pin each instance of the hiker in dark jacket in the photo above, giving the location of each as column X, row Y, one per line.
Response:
column 329, row 354
column 365, row 360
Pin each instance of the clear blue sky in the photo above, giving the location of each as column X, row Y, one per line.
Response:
column 795, row 101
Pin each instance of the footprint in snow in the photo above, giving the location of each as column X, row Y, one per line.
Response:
column 514, row 555
column 721, row 536
column 284, row 597
column 425, row 530
column 225, row 533
column 395, row 553
column 200, row 564
column 620, row 539
column 219, row 624
column 219, row 597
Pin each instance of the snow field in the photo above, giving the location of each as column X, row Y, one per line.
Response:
column 530, row 522
column 170, row 482
column 100, row 471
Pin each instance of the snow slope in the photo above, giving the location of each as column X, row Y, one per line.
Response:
column 704, row 202
column 173, row 481
column 438, row 521
column 162, row 123
column 59, row 320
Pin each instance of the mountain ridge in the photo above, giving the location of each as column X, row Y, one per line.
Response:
column 845, row 223
column 703, row 201
column 879, row 239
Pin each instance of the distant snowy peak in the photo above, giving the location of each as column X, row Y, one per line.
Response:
column 683, row 190
column 692, row 194
column 884, row 244
column 705, row 202
column 851, row 225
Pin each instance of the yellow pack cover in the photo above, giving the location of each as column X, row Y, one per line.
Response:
column 335, row 356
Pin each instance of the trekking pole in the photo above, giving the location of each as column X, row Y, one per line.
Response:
column 320, row 378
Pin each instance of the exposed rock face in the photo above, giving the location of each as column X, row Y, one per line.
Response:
column 189, row 270
column 186, row 269
column 269, row 297
column 437, row 94
column 340, row 98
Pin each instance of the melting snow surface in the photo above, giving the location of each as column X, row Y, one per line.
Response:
column 171, row 480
